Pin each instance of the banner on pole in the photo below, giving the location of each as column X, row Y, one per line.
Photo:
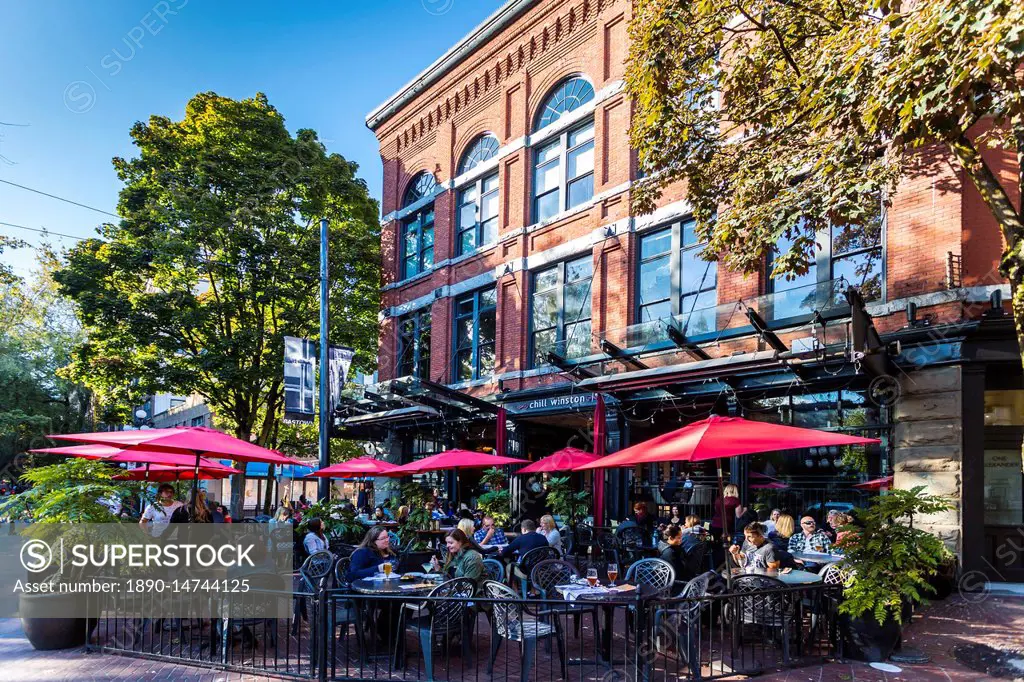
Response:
column 339, row 360
column 299, row 380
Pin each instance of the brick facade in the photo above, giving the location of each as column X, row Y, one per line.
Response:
column 498, row 87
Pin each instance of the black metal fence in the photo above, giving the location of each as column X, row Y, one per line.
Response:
column 758, row 625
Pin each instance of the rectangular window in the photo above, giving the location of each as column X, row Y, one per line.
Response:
column 418, row 242
column 199, row 421
column 560, row 310
column 477, row 214
column 414, row 345
column 851, row 253
column 563, row 175
column 674, row 281
column 475, row 328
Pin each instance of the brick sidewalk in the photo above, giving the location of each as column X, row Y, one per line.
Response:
column 995, row 621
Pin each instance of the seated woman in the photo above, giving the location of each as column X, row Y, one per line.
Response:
column 550, row 531
column 674, row 553
column 785, row 526
column 463, row 560
column 374, row 550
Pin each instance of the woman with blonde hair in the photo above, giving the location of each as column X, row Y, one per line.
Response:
column 550, row 531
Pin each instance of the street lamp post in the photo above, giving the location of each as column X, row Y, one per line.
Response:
column 323, row 487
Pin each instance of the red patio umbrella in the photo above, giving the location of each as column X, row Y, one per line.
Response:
column 109, row 453
column 566, row 459
column 360, row 466
column 719, row 437
column 875, row 484
column 197, row 441
column 455, row 459
column 771, row 485
column 159, row 473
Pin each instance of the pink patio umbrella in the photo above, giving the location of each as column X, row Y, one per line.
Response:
column 566, row 459
column 883, row 483
column 455, row 459
column 109, row 453
column 159, row 473
column 353, row 468
column 197, row 441
column 770, row 485
column 719, row 437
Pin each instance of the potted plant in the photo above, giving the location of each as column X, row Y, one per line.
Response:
column 339, row 521
column 71, row 492
column 889, row 564
column 569, row 504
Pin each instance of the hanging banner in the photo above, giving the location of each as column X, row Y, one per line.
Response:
column 339, row 360
column 299, row 380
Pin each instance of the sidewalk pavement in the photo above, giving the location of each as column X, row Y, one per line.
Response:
column 996, row 621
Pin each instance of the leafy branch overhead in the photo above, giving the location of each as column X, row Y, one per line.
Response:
column 216, row 259
column 783, row 119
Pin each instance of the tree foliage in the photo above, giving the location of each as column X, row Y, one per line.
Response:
column 784, row 118
column 216, row 258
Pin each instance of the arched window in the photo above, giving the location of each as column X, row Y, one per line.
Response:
column 418, row 228
column 483, row 149
column 477, row 214
column 570, row 95
column 563, row 167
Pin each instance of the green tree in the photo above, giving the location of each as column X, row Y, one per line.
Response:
column 216, row 258
column 784, row 118
column 38, row 332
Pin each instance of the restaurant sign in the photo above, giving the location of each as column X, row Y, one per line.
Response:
column 561, row 403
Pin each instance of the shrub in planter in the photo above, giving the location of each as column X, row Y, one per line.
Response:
column 890, row 563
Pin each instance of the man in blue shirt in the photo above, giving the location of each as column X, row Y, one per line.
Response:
column 489, row 533
column 527, row 540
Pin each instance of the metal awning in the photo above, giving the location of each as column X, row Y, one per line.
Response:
column 680, row 373
column 401, row 414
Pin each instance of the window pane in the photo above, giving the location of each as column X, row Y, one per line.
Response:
column 464, row 306
column 488, row 297
column 580, row 161
column 486, row 360
column 489, row 232
column 467, row 215
column 581, row 135
column 542, row 342
column 659, row 242
column 427, row 215
column 548, row 152
column 864, row 271
column 545, row 280
column 846, row 238
column 545, row 310
column 689, row 234
column 489, row 206
column 467, row 241
column 410, row 267
column 577, row 301
column 428, row 258
column 656, row 311
column 581, row 190
column 490, row 183
column 696, row 274
column 1003, row 489
column 582, row 268
column 577, row 340
column 428, row 236
column 546, row 177
column 464, row 363
column 410, row 242
column 655, row 280
column 486, row 334
column 548, row 205
column 468, row 195
column 464, row 333
column 697, row 313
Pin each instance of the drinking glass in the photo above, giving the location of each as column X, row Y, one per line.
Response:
column 387, row 570
column 613, row 573
column 592, row 577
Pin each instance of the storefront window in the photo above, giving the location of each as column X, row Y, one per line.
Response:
column 414, row 345
column 474, row 334
column 1004, row 408
column 1003, row 488
column 560, row 306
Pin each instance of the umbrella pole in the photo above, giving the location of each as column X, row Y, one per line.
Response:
column 725, row 524
column 195, row 484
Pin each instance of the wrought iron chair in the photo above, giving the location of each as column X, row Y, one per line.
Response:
column 678, row 628
column 582, row 539
column 522, row 569
column 494, row 570
column 508, row 622
column 758, row 603
column 835, row 575
column 610, row 547
column 656, row 574
column 313, row 569
column 444, row 619
column 254, row 612
column 696, row 561
column 550, row 573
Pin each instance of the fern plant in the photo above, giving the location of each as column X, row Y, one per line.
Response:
column 498, row 504
column 890, row 561
column 68, row 492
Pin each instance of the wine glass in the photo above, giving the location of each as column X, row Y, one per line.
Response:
column 592, row 577
column 613, row 573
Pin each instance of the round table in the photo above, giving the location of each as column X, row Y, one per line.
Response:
column 392, row 586
column 790, row 578
column 817, row 557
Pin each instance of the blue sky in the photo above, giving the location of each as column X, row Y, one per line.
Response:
column 76, row 75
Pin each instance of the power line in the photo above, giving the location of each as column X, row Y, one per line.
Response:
column 54, row 196
column 43, row 231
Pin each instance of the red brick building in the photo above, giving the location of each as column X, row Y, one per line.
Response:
column 516, row 277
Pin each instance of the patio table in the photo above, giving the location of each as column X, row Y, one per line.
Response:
column 392, row 586
column 817, row 557
column 608, row 599
column 790, row 578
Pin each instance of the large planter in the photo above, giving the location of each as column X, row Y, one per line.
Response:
column 54, row 633
column 864, row 639
column 944, row 580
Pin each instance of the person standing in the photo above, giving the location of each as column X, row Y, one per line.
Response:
column 157, row 515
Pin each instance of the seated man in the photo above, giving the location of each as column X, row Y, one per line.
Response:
column 528, row 539
column 809, row 539
column 489, row 533
column 757, row 552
